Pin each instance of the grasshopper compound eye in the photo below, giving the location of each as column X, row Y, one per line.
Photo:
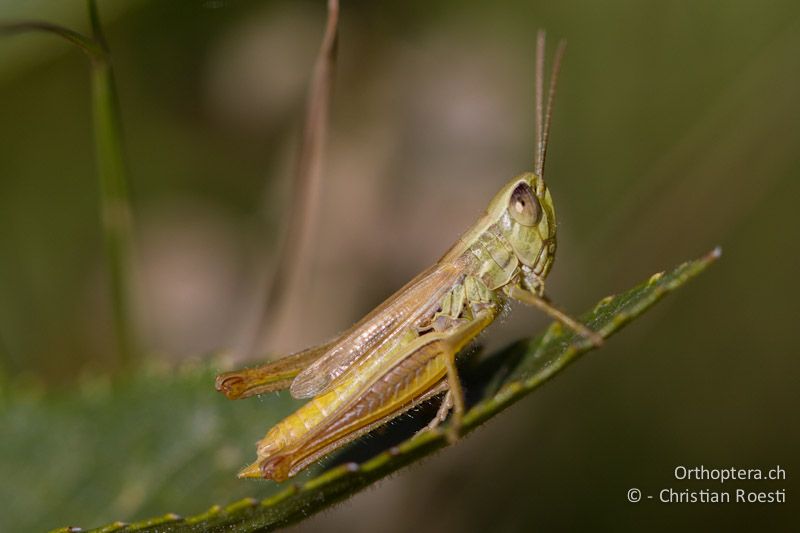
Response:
column 523, row 206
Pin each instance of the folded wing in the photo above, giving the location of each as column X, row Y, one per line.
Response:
column 385, row 324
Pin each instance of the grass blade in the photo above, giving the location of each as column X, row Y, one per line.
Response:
column 115, row 206
column 114, row 200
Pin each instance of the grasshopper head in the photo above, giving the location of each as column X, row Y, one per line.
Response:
column 523, row 211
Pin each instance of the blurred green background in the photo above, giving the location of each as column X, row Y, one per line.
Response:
column 675, row 129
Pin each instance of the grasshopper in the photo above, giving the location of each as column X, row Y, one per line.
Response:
column 404, row 352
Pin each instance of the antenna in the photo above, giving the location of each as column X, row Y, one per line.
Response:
column 540, row 45
column 545, row 113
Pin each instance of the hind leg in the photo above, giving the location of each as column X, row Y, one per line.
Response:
column 441, row 414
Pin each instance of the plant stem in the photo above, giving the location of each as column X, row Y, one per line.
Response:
column 114, row 201
column 115, row 211
column 292, row 269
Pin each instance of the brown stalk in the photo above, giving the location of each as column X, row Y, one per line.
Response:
column 299, row 229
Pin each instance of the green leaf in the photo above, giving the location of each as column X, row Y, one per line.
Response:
column 169, row 442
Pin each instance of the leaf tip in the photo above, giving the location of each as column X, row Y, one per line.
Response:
column 604, row 302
